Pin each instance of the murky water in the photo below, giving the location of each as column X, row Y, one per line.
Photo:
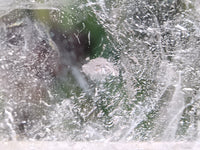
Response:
column 136, row 77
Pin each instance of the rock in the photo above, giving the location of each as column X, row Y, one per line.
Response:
column 99, row 69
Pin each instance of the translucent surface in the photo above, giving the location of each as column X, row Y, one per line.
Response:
column 99, row 145
column 140, row 80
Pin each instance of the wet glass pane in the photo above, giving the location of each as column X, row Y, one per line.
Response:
column 90, row 70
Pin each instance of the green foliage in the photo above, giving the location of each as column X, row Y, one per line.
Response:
column 97, row 36
column 75, row 20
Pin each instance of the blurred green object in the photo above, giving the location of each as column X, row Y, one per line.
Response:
column 73, row 20
column 97, row 36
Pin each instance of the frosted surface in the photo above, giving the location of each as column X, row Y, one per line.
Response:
column 140, row 82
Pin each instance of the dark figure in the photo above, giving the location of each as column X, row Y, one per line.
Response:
column 73, row 48
column 48, row 61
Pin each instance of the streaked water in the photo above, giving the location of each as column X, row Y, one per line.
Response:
column 150, row 92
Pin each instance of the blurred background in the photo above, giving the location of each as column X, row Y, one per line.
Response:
column 88, row 70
